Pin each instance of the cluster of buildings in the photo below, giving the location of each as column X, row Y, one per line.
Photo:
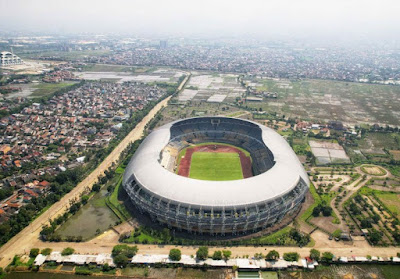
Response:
column 325, row 128
column 59, row 76
column 362, row 65
column 23, row 193
column 54, row 133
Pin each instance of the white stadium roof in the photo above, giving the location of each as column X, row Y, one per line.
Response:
column 277, row 181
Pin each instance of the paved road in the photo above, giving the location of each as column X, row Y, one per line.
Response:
column 22, row 242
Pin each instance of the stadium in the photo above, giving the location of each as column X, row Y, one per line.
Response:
column 216, row 175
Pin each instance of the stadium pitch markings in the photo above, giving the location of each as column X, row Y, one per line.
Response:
column 215, row 166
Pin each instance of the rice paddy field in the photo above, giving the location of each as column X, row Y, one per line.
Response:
column 326, row 100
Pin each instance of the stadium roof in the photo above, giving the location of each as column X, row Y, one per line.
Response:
column 277, row 181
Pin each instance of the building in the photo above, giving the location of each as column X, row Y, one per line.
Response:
column 277, row 188
column 9, row 59
column 163, row 44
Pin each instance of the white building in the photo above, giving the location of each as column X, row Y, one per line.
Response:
column 8, row 59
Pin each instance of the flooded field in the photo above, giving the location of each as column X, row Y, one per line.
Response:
column 92, row 217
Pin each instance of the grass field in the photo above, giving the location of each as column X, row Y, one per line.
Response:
column 43, row 89
column 215, row 166
column 391, row 200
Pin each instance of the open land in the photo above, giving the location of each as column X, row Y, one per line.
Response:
column 326, row 100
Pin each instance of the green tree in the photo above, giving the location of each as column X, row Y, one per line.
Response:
column 175, row 254
column 202, row 253
column 46, row 251
column 166, row 235
column 34, row 252
column 226, row 254
column 327, row 257
column 315, row 254
column 123, row 249
column 85, row 199
column 121, row 260
column 106, row 267
column 67, row 251
column 316, row 211
column 291, row 257
column 327, row 211
column 272, row 255
column 217, row 255
column 375, row 236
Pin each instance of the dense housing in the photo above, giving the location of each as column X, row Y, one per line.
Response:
column 277, row 188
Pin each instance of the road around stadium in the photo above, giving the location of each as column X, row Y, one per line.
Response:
column 22, row 242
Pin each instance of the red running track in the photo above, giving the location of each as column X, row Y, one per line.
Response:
column 184, row 166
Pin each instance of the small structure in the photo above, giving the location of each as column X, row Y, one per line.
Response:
column 39, row 260
column 345, row 237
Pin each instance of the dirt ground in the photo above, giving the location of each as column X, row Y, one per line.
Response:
column 373, row 170
column 325, row 223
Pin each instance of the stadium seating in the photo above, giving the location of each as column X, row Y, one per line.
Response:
column 227, row 130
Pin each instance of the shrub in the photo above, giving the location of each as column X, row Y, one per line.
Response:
column 327, row 257
column 67, row 251
column 272, row 255
column 46, row 251
column 85, row 199
column 106, row 267
column 315, row 254
column 123, row 249
column 226, row 254
column 291, row 257
column 175, row 254
column 34, row 252
column 202, row 253
column 217, row 255
column 83, row 272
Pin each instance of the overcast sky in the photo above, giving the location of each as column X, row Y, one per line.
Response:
column 264, row 18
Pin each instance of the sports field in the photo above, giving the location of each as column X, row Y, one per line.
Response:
column 215, row 166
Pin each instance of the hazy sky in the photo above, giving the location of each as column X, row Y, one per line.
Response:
column 266, row 18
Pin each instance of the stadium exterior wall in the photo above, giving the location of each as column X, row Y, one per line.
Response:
column 217, row 207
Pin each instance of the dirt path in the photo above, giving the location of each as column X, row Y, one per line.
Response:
column 337, row 248
column 22, row 242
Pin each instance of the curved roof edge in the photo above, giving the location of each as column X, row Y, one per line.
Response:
column 272, row 184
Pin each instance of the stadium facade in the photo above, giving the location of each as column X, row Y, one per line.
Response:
column 9, row 59
column 277, row 188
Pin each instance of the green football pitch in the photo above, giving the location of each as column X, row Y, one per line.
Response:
column 215, row 166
